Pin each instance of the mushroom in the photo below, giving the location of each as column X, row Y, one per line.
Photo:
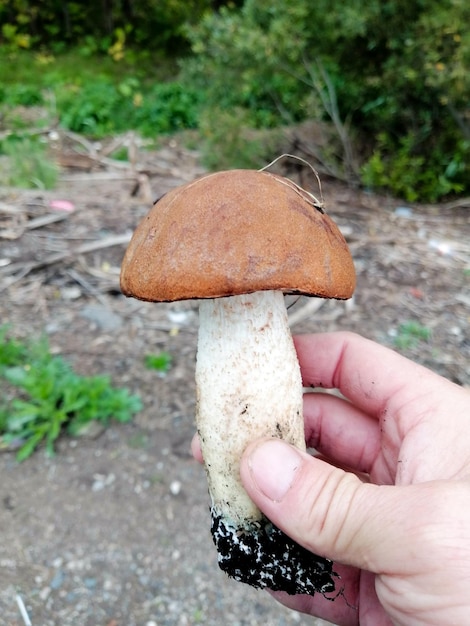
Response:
column 238, row 241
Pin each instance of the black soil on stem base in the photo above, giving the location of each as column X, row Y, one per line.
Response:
column 262, row 556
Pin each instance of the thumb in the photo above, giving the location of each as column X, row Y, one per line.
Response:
column 332, row 513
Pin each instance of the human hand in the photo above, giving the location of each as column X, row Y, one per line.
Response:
column 401, row 542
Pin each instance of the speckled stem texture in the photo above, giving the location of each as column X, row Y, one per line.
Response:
column 249, row 386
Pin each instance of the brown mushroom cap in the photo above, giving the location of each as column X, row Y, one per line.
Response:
column 236, row 232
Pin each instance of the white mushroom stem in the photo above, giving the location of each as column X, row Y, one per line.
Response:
column 248, row 386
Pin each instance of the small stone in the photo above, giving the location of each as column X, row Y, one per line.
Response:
column 90, row 583
column 58, row 580
column 45, row 593
column 90, row 430
column 403, row 211
column 103, row 317
column 179, row 318
column 101, row 481
column 175, row 488
column 70, row 293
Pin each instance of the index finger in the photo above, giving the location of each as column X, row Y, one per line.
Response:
column 369, row 375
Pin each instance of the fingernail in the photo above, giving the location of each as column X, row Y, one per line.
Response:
column 273, row 466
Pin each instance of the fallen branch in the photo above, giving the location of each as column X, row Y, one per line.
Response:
column 87, row 286
column 460, row 203
column 92, row 246
column 44, row 220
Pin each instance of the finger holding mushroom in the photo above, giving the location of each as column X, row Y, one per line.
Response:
column 239, row 241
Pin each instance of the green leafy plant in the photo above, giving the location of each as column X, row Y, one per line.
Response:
column 411, row 175
column 42, row 397
column 20, row 95
column 160, row 362
column 101, row 107
column 410, row 334
column 95, row 95
column 166, row 108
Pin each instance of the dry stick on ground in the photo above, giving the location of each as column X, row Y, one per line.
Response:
column 101, row 158
column 23, row 611
column 25, row 269
column 27, row 132
column 15, row 214
column 83, row 282
column 461, row 203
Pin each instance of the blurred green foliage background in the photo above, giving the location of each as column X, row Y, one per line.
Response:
column 391, row 78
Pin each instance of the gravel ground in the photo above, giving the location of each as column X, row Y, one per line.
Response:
column 117, row 533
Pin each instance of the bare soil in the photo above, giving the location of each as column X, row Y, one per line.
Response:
column 114, row 530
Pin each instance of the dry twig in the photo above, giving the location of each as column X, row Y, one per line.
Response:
column 24, row 269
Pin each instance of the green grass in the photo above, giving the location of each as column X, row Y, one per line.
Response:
column 37, row 71
column 160, row 362
column 410, row 334
column 41, row 397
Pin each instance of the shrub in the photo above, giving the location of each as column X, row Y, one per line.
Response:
column 397, row 71
column 166, row 108
column 20, row 95
column 410, row 174
column 102, row 107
